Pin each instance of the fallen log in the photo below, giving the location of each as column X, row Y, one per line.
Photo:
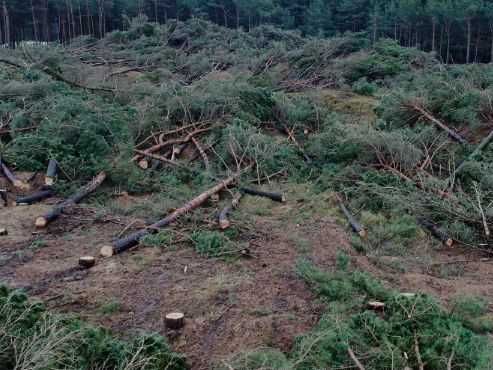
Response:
column 158, row 157
column 43, row 221
column 355, row 225
column 51, row 172
column 122, row 245
column 436, row 232
column 3, row 231
column 202, row 153
column 36, row 197
column 424, row 113
column 482, row 145
column 224, row 222
column 277, row 197
column 19, row 184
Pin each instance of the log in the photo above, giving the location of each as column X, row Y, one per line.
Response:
column 277, row 197
column 175, row 320
column 3, row 231
column 482, row 145
column 202, row 153
column 158, row 157
column 87, row 262
column 376, row 306
column 51, row 172
column 424, row 113
column 35, row 197
column 43, row 221
column 355, row 225
column 122, row 245
column 19, row 184
column 224, row 222
column 436, row 232
column 3, row 196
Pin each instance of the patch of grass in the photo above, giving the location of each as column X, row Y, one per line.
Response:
column 161, row 239
column 211, row 243
column 110, row 308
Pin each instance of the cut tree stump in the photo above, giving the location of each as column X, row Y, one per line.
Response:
column 122, row 245
column 277, row 197
column 19, row 184
column 376, row 306
column 175, row 320
column 224, row 221
column 3, row 231
column 43, row 221
column 355, row 225
column 87, row 262
column 51, row 172
column 34, row 198
column 436, row 232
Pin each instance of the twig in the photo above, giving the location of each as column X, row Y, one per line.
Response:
column 358, row 364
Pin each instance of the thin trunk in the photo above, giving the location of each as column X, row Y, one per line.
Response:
column 468, row 51
column 35, row 28
column 433, row 33
column 6, row 21
column 81, row 28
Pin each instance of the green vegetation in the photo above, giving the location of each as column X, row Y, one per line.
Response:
column 411, row 329
column 32, row 338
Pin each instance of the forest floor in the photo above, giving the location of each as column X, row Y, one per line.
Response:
column 231, row 305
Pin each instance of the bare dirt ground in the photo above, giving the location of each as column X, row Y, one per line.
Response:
column 230, row 305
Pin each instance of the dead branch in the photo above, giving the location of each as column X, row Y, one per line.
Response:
column 122, row 245
column 428, row 116
column 481, row 211
column 357, row 362
column 224, row 222
column 43, row 221
column 418, row 354
column 159, row 158
column 202, row 153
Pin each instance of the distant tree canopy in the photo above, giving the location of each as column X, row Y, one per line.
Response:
column 460, row 31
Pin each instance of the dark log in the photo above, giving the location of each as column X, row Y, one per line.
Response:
column 132, row 240
column 51, row 172
column 224, row 222
column 482, row 145
column 175, row 320
column 43, row 221
column 3, row 231
column 277, row 197
column 424, row 113
column 355, row 225
column 36, row 197
column 11, row 177
column 436, row 232
column 87, row 262
column 376, row 306
column 3, row 196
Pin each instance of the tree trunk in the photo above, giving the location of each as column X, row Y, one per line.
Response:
column 35, row 198
column 122, row 245
column 276, row 197
column 51, row 172
column 436, row 232
column 433, row 34
column 35, row 28
column 11, row 177
column 43, row 221
column 468, row 48
column 355, row 225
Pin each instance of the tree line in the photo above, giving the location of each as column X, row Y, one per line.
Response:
column 459, row 31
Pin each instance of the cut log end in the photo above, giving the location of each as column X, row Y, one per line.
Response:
column 107, row 251
column 21, row 185
column 376, row 305
column 449, row 242
column 41, row 222
column 49, row 181
column 175, row 320
column 3, row 231
column 144, row 164
column 224, row 224
column 363, row 234
column 87, row 262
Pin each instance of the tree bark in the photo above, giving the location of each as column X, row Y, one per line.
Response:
column 276, row 197
column 122, row 245
column 436, row 232
column 43, row 221
column 424, row 113
column 36, row 197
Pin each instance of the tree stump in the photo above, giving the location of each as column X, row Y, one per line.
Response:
column 175, row 320
column 3, row 231
column 87, row 262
